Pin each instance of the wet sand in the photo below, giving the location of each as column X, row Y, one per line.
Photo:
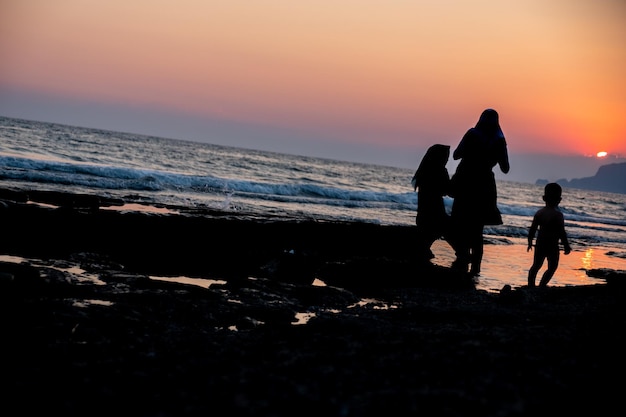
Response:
column 385, row 336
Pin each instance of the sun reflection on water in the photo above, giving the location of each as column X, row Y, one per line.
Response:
column 587, row 259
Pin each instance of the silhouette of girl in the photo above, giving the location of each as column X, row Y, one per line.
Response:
column 433, row 181
column 474, row 188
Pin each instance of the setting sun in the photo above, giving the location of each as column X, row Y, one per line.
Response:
column 601, row 154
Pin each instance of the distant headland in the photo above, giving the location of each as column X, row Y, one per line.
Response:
column 610, row 178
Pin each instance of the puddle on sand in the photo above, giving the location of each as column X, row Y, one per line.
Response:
column 200, row 282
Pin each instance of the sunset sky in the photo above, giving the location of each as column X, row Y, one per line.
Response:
column 361, row 80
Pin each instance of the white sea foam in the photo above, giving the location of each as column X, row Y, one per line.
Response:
column 182, row 173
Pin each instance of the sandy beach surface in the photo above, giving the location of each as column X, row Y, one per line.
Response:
column 90, row 330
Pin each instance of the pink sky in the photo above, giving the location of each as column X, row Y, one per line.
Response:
column 327, row 77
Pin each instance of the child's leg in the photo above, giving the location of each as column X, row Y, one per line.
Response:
column 538, row 259
column 553, row 263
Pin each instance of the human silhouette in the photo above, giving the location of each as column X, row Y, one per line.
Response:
column 433, row 182
column 474, row 188
column 551, row 225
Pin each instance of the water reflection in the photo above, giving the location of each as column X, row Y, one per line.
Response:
column 142, row 208
column 303, row 318
column 507, row 264
column 587, row 259
column 200, row 282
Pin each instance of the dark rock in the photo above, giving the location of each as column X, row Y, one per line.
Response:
column 13, row 195
column 19, row 274
column 65, row 200
column 367, row 274
column 614, row 278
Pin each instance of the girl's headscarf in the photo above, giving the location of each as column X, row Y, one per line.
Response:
column 433, row 162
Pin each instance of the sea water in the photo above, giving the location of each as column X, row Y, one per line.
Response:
column 157, row 171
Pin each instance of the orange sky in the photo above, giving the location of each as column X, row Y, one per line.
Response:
column 365, row 72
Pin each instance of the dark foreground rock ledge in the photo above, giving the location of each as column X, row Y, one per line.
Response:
column 122, row 343
column 131, row 345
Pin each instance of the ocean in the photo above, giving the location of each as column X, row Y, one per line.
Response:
column 150, row 172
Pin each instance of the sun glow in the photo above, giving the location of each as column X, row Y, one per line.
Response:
column 601, row 154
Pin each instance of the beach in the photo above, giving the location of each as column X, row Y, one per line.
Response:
column 92, row 325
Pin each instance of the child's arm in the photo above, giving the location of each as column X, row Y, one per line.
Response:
column 566, row 247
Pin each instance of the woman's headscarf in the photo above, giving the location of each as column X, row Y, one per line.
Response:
column 489, row 124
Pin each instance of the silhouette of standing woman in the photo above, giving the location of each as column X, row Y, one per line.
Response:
column 474, row 188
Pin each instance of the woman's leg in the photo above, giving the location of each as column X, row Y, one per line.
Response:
column 461, row 246
column 476, row 248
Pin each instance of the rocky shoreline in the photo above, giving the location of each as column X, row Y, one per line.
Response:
column 384, row 336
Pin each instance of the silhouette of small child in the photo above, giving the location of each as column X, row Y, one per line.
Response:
column 551, row 225
column 433, row 181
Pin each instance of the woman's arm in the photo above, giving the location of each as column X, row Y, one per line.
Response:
column 503, row 161
column 459, row 152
